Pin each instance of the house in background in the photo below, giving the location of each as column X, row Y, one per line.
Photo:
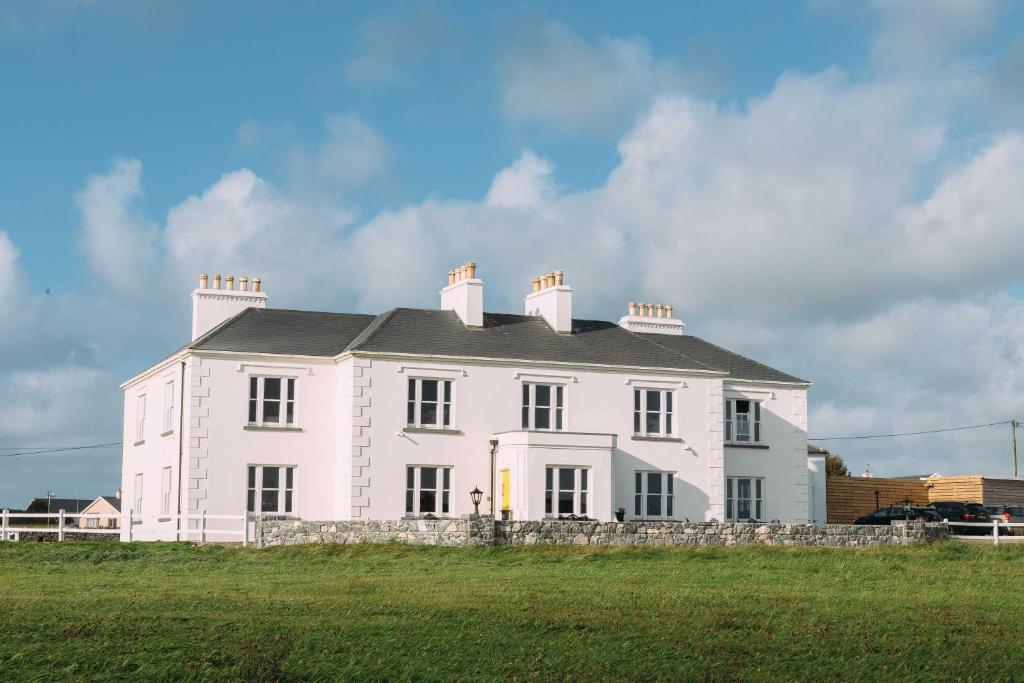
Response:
column 103, row 505
column 335, row 416
column 71, row 506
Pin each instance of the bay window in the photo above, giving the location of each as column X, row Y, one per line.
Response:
column 654, row 495
column 744, row 499
column 429, row 404
column 565, row 490
column 543, row 406
column 271, row 489
column 742, row 421
column 272, row 401
column 652, row 412
column 427, row 490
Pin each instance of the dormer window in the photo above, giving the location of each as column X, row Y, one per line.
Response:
column 272, row 401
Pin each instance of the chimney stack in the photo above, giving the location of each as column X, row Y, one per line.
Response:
column 212, row 305
column 651, row 319
column 551, row 299
column 465, row 295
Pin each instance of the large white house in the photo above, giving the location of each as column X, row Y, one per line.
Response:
column 334, row 416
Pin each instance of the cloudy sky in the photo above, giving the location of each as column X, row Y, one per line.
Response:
column 834, row 188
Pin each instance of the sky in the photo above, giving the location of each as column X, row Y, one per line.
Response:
column 833, row 188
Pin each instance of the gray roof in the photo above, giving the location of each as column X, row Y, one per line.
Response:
column 113, row 501
column 503, row 336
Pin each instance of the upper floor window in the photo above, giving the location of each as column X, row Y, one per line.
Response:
column 565, row 490
column 270, row 489
column 168, row 406
column 428, row 490
column 654, row 496
column 543, row 406
column 140, row 418
column 272, row 401
column 744, row 499
column 652, row 412
column 137, row 498
column 430, row 403
column 742, row 421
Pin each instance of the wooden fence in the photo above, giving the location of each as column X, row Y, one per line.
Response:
column 850, row 497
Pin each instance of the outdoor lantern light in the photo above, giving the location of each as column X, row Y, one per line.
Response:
column 475, row 495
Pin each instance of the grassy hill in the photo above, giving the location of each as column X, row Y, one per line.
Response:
column 109, row 611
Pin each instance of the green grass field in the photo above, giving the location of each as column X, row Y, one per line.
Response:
column 109, row 611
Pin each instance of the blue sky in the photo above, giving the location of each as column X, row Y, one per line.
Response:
column 826, row 186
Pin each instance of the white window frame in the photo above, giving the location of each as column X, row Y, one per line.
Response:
column 442, row 494
column 169, row 406
column 755, row 424
column 137, row 498
column 641, row 484
column 557, row 414
column 756, row 500
column 582, row 486
column 415, row 402
column 165, row 491
column 666, row 412
column 287, row 382
column 140, row 418
column 254, row 474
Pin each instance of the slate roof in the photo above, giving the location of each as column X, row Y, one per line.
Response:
column 113, row 501
column 68, row 505
column 503, row 336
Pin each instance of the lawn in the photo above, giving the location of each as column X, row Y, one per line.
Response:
column 109, row 611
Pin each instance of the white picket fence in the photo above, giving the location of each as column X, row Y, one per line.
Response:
column 180, row 526
column 995, row 525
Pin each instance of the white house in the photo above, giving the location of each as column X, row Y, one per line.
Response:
column 333, row 416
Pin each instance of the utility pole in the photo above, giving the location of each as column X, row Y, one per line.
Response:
column 1013, row 442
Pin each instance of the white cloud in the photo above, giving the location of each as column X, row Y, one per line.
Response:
column 526, row 183
column 352, row 157
column 925, row 33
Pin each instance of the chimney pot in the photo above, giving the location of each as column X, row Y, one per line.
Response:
column 549, row 280
column 204, row 281
column 229, row 282
column 632, row 308
column 559, row 277
column 535, row 284
column 471, row 269
column 647, row 310
column 243, row 284
column 256, row 284
column 661, row 311
column 451, row 277
column 668, row 311
column 216, row 281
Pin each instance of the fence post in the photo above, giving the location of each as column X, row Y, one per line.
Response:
column 4, row 523
column 60, row 526
column 995, row 531
column 245, row 529
column 131, row 529
column 202, row 534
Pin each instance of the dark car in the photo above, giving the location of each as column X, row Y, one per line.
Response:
column 1013, row 514
column 957, row 511
column 887, row 515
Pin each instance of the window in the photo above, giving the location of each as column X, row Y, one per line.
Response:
column 744, row 499
column 140, row 418
column 267, row 405
column 742, row 421
column 137, row 509
column 430, row 403
column 428, row 490
column 565, row 490
column 652, row 412
column 543, row 406
column 654, row 495
column 168, row 406
column 165, row 491
column 270, row 489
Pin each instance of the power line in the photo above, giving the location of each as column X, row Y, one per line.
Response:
column 927, row 431
column 61, row 449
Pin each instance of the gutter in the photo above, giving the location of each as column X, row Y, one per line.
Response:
column 181, row 445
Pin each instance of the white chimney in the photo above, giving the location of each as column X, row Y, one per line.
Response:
column 551, row 299
column 212, row 305
column 651, row 319
column 465, row 295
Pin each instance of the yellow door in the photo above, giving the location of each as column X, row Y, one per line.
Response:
column 506, row 497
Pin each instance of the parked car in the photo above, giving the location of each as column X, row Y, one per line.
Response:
column 887, row 515
column 1013, row 514
column 958, row 511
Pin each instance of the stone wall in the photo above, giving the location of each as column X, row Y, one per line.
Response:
column 69, row 535
column 484, row 530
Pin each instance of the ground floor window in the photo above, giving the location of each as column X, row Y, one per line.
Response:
column 428, row 490
column 565, row 490
column 744, row 499
column 654, row 495
column 271, row 489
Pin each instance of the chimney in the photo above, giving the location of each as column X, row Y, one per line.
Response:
column 212, row 305
column 465, row 295
column 651, row 319
column 117, row 494
column 551, row 299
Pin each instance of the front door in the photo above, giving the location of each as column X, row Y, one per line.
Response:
column 506, row 486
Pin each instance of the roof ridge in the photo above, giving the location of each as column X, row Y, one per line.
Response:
column 371, row 330
column 673, row 351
